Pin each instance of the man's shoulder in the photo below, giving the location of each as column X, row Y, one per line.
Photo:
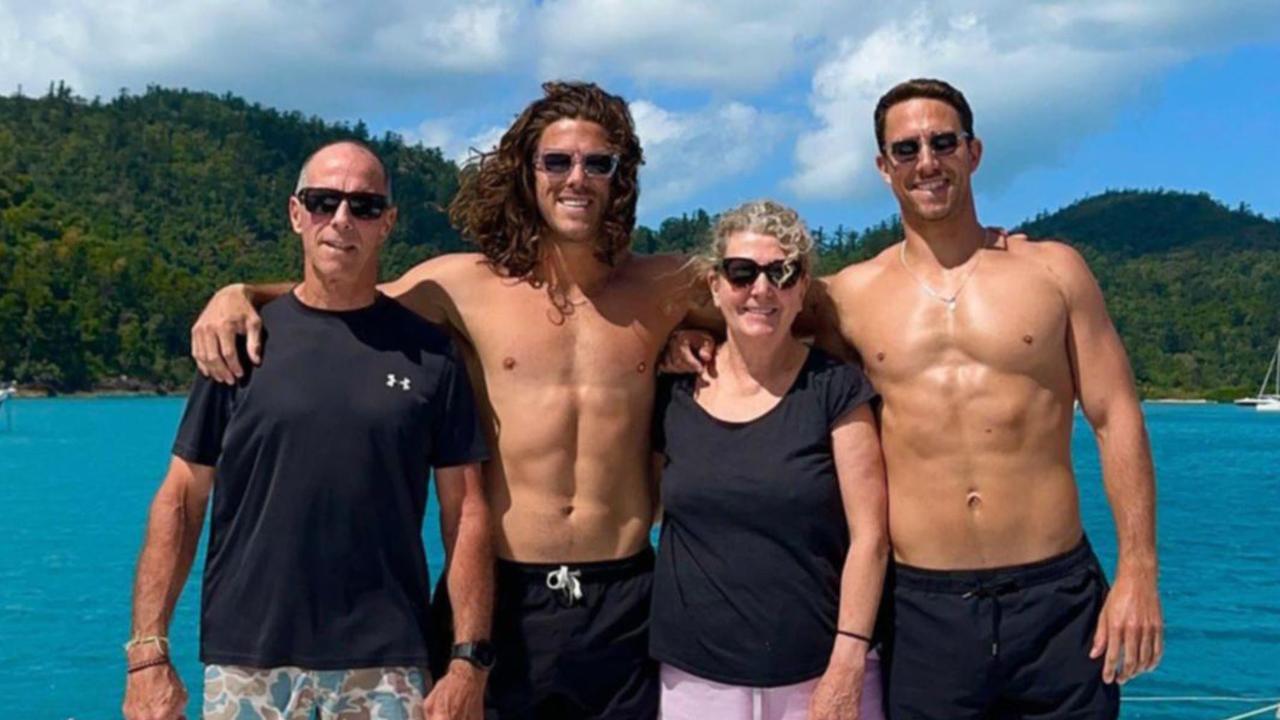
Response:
column 660, row 268
column 856, row 276
column 468, row 267
column 1057, row 256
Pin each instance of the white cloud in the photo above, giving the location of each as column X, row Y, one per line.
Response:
column 1040, row 78
column 1041, row 75
column 324, row 56
column 717, row 44
column 466, row 38
column 688, row 152
column 454, row 144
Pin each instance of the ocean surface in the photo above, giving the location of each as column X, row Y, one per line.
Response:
column 77, row 475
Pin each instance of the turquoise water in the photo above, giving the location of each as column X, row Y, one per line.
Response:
column 76, row 477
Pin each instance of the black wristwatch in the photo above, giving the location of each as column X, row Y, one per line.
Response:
column 479, row 653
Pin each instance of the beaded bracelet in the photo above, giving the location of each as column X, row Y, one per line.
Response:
column 160, row 641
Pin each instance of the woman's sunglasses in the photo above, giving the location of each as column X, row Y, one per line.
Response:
column 362, row 205
column 742, row 272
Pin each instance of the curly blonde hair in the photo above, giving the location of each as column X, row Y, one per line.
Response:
column 765, row 217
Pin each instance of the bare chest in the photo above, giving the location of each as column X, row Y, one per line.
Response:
column 524, row 339
column 1006, row 323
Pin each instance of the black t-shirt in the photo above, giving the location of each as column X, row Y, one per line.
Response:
column 754, row 537
column 323, row 452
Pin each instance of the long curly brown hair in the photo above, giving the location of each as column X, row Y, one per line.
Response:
column 496, row 206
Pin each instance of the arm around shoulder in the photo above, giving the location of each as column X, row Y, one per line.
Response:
column 428, row 287
column 231, row 312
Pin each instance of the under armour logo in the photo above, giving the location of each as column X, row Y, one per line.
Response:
column 392, row 382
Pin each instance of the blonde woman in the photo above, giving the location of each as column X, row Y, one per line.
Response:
column 774, row 541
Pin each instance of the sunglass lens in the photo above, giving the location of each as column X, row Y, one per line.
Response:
column 557, row 163
column 366, row 206
column 321, row 201
column 905, row 150
column 740, row 272
column 599, row 164
column 944, row 143
column 782, row 274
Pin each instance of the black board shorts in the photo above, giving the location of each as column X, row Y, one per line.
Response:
column 1000, row 643
column 572, row 641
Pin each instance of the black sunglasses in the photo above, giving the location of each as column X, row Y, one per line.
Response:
column 558, row 162
column 362, row 205
column 742, row 272
column 942, row 145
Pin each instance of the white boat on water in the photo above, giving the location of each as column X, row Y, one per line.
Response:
column 1272, row 405
column 1272, row 376
column 6, row 393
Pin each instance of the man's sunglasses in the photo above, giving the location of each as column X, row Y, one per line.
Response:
column 942, row 145
column 742, row 272
column 558, row 162
column 362, row 205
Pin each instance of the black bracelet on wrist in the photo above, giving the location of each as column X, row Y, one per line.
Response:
column 856, row 636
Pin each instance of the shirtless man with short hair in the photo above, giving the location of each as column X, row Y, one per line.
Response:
column 561, row 326
column 979, row 342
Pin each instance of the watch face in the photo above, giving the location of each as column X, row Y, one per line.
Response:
column 480, row 654
column 484, row 653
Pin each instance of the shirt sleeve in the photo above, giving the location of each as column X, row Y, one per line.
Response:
column 204, row 422
column 456, row 438
column 847, row 388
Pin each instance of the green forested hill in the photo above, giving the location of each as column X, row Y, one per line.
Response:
column 1194, row 287
column 118, row 218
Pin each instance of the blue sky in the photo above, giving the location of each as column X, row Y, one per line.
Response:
column 734, row 99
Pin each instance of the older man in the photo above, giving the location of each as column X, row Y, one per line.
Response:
column 979, row 342
column 316, row 595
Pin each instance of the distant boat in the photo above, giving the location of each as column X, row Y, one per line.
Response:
column 1272, row 405
column 6, row 393
column 1273, row 375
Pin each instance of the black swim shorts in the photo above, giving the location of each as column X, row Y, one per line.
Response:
column 572, row 641
column 1001, row 643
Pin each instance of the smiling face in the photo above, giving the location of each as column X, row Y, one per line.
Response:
column 931, row 187
column 758, row 310
column 573, row 205
column 338, row 245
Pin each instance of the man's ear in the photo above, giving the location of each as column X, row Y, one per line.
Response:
column 882, row 165
column 295, row 213
column 975, row 154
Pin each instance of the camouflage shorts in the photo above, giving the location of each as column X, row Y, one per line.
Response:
column 289, row 693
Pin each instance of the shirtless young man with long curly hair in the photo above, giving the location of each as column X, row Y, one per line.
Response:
column 561, row 326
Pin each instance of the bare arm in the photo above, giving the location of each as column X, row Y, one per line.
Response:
column 822, row 314
column 465, row 527
column 860, row 471
column 1131, row 621
column 173, row 531
column 233, row 311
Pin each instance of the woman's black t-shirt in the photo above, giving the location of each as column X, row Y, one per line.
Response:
column 754, row 537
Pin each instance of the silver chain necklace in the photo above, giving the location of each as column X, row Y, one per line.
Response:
column 948, row 300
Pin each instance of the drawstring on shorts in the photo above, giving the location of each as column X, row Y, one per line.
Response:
column 566, row 582
column 992, row 593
